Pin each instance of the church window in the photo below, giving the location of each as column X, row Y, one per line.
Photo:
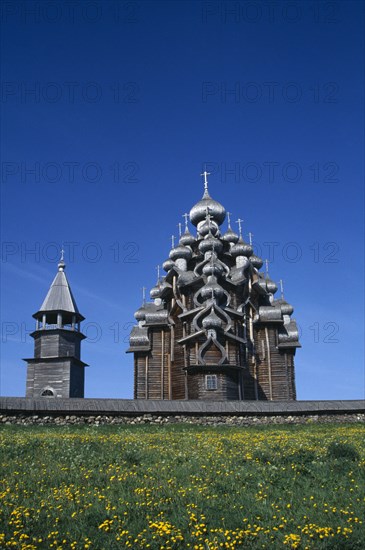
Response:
column 211, row 382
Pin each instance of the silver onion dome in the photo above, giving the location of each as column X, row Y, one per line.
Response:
column 155, row 292
column 241, row 249
column 207, row 227
column 212, row 290
column 180, row 252
column 140, row 314
column 210, row 243
column 271, row 286
column 230, row 236
column 213, row 269
column 286, row 308
column 168, row 264
column 256, row 261
column 215, row 209
column 212, row 321
column 187, row 239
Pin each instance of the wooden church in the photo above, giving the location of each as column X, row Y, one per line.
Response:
column 213, row 329
column 56, row 369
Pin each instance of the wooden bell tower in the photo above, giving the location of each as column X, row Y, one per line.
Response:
column 56, row 369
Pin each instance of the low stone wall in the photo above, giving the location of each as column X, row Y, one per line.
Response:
column 215, row 420
column 18, row 410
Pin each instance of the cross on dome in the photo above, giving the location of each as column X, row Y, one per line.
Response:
column 179, row 226
column 250, row 235
column 186, row 216
column 282, row 287
column 267, row 267
column 239, row 221
column 205, row 174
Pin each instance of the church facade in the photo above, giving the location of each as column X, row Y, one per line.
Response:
column 213, row 329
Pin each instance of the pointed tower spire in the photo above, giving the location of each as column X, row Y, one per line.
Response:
column 60, row 297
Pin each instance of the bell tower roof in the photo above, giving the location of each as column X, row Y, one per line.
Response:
column 59, row 296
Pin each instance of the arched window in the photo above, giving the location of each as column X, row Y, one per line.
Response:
column 47, row 392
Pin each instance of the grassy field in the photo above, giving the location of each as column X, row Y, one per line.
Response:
column 182, row 486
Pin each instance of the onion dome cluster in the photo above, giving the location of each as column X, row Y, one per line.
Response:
column 207, row 215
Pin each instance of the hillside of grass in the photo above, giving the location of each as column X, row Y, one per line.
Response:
column 182, row 486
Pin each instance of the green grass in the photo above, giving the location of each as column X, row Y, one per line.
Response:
column 182, row 486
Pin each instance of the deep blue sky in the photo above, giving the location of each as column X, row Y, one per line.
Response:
column 129, row 100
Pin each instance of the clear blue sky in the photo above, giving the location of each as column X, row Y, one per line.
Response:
column 116, row 106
